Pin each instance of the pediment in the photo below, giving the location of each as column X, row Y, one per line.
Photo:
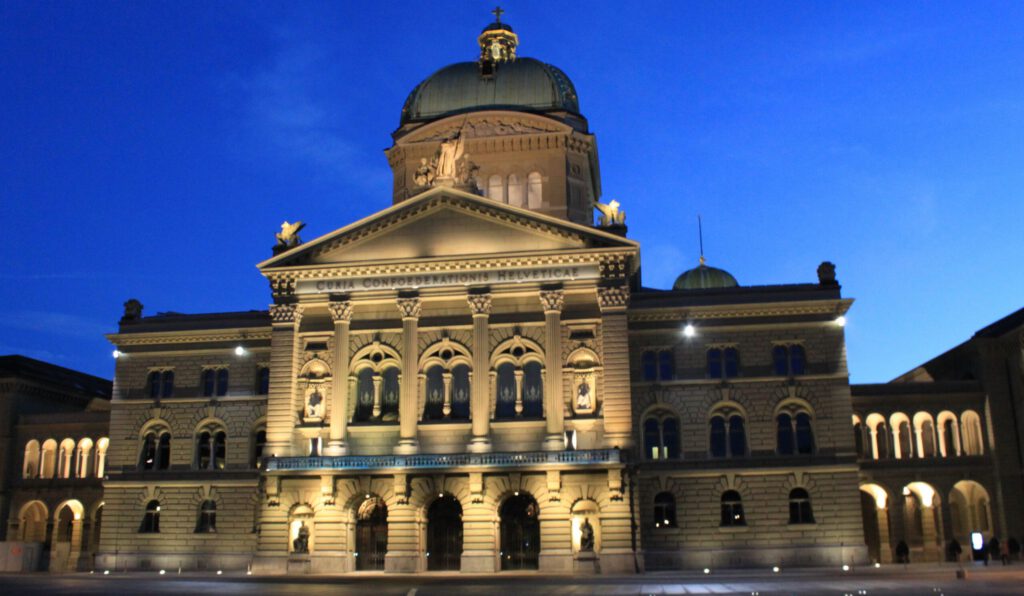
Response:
column 445, row 223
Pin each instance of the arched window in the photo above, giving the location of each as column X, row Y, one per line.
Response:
column 83, row 457
column 364, row 395
column 31, row 465
column 800, row 507
column 151, row 518
column 649, row 365
column 949, row 439
column 519, row 379
column 211, row 445
column 723, row 363
column 666, row 365
column 661, row 436
column 858, row 439
column 101, row 457
column 664, row 510
column 906, row 440
column 389, row 393
column 435, row 397
column 207, row 520
column 506, row 387
column 156, row 449
column 516, row 191
column 65, row 458
column 263, row 380
column 160, row 383
column 882, row 436
column 533, row 390
column 804, row 434
column 727, row 432
column 732, row 509
column 446, row 381
column 259, row 443
column 534, row 194
column 970, row 425
column 927, row 439
column 788, row 360
column 496, row 188
column 48, row 462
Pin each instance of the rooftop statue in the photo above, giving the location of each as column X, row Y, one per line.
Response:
column 610, row 214
column 288, row 237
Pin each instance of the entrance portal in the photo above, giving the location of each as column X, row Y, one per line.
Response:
column 444, row 535
column 371, row 535
column 520, row 533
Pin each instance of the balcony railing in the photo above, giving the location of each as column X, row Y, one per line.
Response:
column 434, row 461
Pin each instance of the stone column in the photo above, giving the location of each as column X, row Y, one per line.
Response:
column 281, row 411
column 407, row 403
column 554, row 405
column 341, row 312
column 618, row 417
column 480, row 402
column 929, row 535
column 874, row 443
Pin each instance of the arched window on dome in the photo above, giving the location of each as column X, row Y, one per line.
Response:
column 534, row 196
column 516, row 191
column 496, row 188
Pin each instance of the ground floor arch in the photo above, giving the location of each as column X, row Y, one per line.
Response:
column 520, row 532
column 970, row 511
column 444, row 534
column 371, row 534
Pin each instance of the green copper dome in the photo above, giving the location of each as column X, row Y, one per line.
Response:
column 703, row 277
column 522, row 84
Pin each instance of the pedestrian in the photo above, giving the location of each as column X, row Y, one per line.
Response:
column 902, row 553
column 1004, row 553
column 954, row 550
column 992, row 550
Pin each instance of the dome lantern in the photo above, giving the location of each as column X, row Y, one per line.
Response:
column 497, row 44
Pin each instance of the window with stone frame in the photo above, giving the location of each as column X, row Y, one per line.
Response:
column 732, row 509
column 727, row 434
column 661, row 436
column 211, row 447
column 259, row 443
column 160, row 383
column 156, row 449
column 657, row 365
column 788, row 360
column 151, row 518
column 206, row 521
column 723, row 363
column 215, row 382
column 800, row 507
column 664, row 510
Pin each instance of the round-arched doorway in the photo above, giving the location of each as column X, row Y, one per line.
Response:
column 371, row 534
column 444, row 534
column 520, row 533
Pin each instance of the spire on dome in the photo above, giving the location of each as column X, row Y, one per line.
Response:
column 497, row 44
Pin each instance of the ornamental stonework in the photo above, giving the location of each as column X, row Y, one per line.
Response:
column 341, row 310
column 615, row 297
column 410, row 308
column 479, row 304
column 285, row 313
column 552, row 300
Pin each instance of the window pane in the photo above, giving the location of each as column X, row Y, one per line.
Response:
column 434, row 407
column 715, row 363
column 652, row 442
column 796, row 359
column 732, row 363
column 164, row 452
column 207, row 382
column 785, row 434
column 506, row 388
column 168, row 388
column 460, row 392
column 804, row 434
column 534, row 195
column 650, row 370
column 154, row 384
column 670, row 437
column 516, row 191
column 718, row 448
column 496, row 188
column 666, row 365
column 389, row 392
column 780, row 360
column 219, row 450
column 533, row 390
column 264, row 381
column 222, row 381
column 737, row 436
column 364, row 395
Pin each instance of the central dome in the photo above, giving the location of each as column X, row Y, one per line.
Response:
column 525, row 84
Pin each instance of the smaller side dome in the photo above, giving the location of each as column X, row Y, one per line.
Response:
column 703, row 277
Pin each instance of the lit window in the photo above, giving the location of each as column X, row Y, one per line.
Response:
column 732, row 509
column 151, row 518
column 664, row 510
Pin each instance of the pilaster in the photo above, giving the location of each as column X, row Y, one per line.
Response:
column 408, row 443
column 554, row 405
column 480, row 407
column 618, row 418
column 281, row 411
column 341, row 312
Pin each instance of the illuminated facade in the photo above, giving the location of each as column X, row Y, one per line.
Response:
column 475, row 379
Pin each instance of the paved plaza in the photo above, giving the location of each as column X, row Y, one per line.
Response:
column 915, row 580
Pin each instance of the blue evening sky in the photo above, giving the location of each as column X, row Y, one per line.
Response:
column 152, row 149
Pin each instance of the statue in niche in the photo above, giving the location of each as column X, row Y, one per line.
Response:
column 301, row 543
column 424, row 174
column 583, row 398
column 586, row 537
column 314, row 405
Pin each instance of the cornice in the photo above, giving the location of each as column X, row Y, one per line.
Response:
column 732, row 311
column 189, row 336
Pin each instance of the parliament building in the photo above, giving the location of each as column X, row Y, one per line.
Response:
column 476, row 379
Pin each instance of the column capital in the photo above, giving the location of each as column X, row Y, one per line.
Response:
column 285, row 313
column 613, row 298
column 552, row 300
column 410, row 307
column 479, row 304
column 341, row 310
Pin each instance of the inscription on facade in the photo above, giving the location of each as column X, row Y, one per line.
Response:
column 441, row 279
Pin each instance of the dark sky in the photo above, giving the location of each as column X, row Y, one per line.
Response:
column 152, row 149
